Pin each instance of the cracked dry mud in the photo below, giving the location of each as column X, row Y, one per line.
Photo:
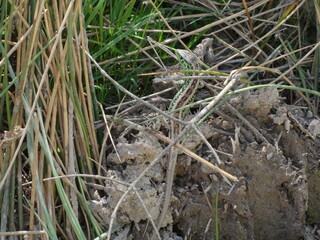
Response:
column 276, row 197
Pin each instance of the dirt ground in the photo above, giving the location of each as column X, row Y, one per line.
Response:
column 274, row 152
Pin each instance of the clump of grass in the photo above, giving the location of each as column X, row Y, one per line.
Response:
column 48, row 108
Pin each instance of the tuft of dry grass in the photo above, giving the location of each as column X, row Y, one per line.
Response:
column 49, row 108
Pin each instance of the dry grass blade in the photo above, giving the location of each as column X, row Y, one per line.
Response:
column 196, row 157
column 249, row 20
column 26, row 233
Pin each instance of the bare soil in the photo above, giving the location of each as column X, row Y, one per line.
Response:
column 275, row 155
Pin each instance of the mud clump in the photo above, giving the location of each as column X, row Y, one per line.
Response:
column 275, row 198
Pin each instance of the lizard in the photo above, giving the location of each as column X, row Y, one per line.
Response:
column 182, row 98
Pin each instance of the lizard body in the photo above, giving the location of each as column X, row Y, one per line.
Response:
column 184, row 95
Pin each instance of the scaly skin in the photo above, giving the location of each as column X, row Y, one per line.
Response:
column 183, row 97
